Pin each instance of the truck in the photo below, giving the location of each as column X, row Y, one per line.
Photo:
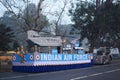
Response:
column 102, row 56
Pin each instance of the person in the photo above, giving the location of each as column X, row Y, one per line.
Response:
column 18, row 50
column 32, row 50
column 22, row 55
column 58, row 49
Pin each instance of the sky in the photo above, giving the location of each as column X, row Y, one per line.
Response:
column 2, row 9
column 57, row 7
column 51, row 6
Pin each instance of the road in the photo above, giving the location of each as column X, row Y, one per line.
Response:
column 98, row 72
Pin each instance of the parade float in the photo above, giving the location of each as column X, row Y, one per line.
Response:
column 54, row 59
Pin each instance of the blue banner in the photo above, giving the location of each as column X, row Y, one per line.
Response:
column 63, row 57
column 52, row 57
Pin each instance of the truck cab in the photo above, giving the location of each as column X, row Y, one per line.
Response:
column 102, row 56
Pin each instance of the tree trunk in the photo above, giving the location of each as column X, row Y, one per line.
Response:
column 37, row 20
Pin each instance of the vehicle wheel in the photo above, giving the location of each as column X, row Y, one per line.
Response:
column 110, row 58
column 104, row 62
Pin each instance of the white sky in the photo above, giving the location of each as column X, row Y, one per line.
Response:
column 51, row 6
column 2, row 9
column 56, row 8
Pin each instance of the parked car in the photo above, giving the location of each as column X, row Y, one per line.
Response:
column 102, row 56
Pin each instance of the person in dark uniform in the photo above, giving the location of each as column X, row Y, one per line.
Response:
column 58, row 49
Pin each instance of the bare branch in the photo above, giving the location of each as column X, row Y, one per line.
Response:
column 7, row 6
column 65, row 3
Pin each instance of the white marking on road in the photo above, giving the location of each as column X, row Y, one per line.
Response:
column 12, row 77
column 96, row 74
column 112, row 71
column 79, row 77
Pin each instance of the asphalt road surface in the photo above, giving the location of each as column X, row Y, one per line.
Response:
column 97, row 72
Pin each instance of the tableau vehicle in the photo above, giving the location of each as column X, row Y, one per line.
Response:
column 102, row 56
column 37, row 60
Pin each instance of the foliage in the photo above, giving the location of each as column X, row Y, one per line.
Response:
column 100, row 25
column 6, row 37
column 15, row 45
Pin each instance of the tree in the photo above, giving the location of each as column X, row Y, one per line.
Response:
column 98, row 22
column 18, row 8
column 107, row 19
column 58, row 15
column 83, row 16
column 15, row 45
column 6, row 36
column 23, row 19
column 31, row 21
